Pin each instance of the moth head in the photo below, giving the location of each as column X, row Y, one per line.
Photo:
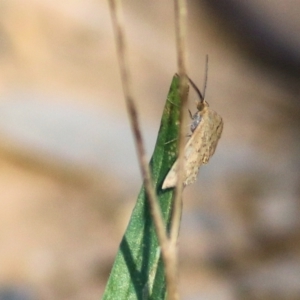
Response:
column 201, row 105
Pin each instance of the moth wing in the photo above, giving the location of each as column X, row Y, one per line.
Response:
column 198, row 150
column 190, row 163
column 202, row 145
column 172, row 176
column 196, row 153
column 212, row 133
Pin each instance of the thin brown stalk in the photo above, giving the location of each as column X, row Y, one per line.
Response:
column 180, row 27
column 115, row 9
column 172, row 261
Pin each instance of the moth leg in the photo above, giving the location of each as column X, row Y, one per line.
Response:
column 172, row 103
column 170, row 141
column 188, row 136
column 191, row 116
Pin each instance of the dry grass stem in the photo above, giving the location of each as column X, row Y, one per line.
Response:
column 168, row 246
column 115, row 8
column 171, row 266
column 180, row 27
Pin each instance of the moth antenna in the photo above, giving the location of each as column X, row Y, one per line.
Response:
column 205, row 76
column 196, row 89
column 205, row 82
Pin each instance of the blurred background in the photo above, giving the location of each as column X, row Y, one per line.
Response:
column 69, row 176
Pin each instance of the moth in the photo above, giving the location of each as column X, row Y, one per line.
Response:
column 206, row 128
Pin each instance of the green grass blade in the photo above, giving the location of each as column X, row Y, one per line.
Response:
column 138, row 269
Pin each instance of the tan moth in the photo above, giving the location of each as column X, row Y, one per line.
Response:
column 206, row 129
